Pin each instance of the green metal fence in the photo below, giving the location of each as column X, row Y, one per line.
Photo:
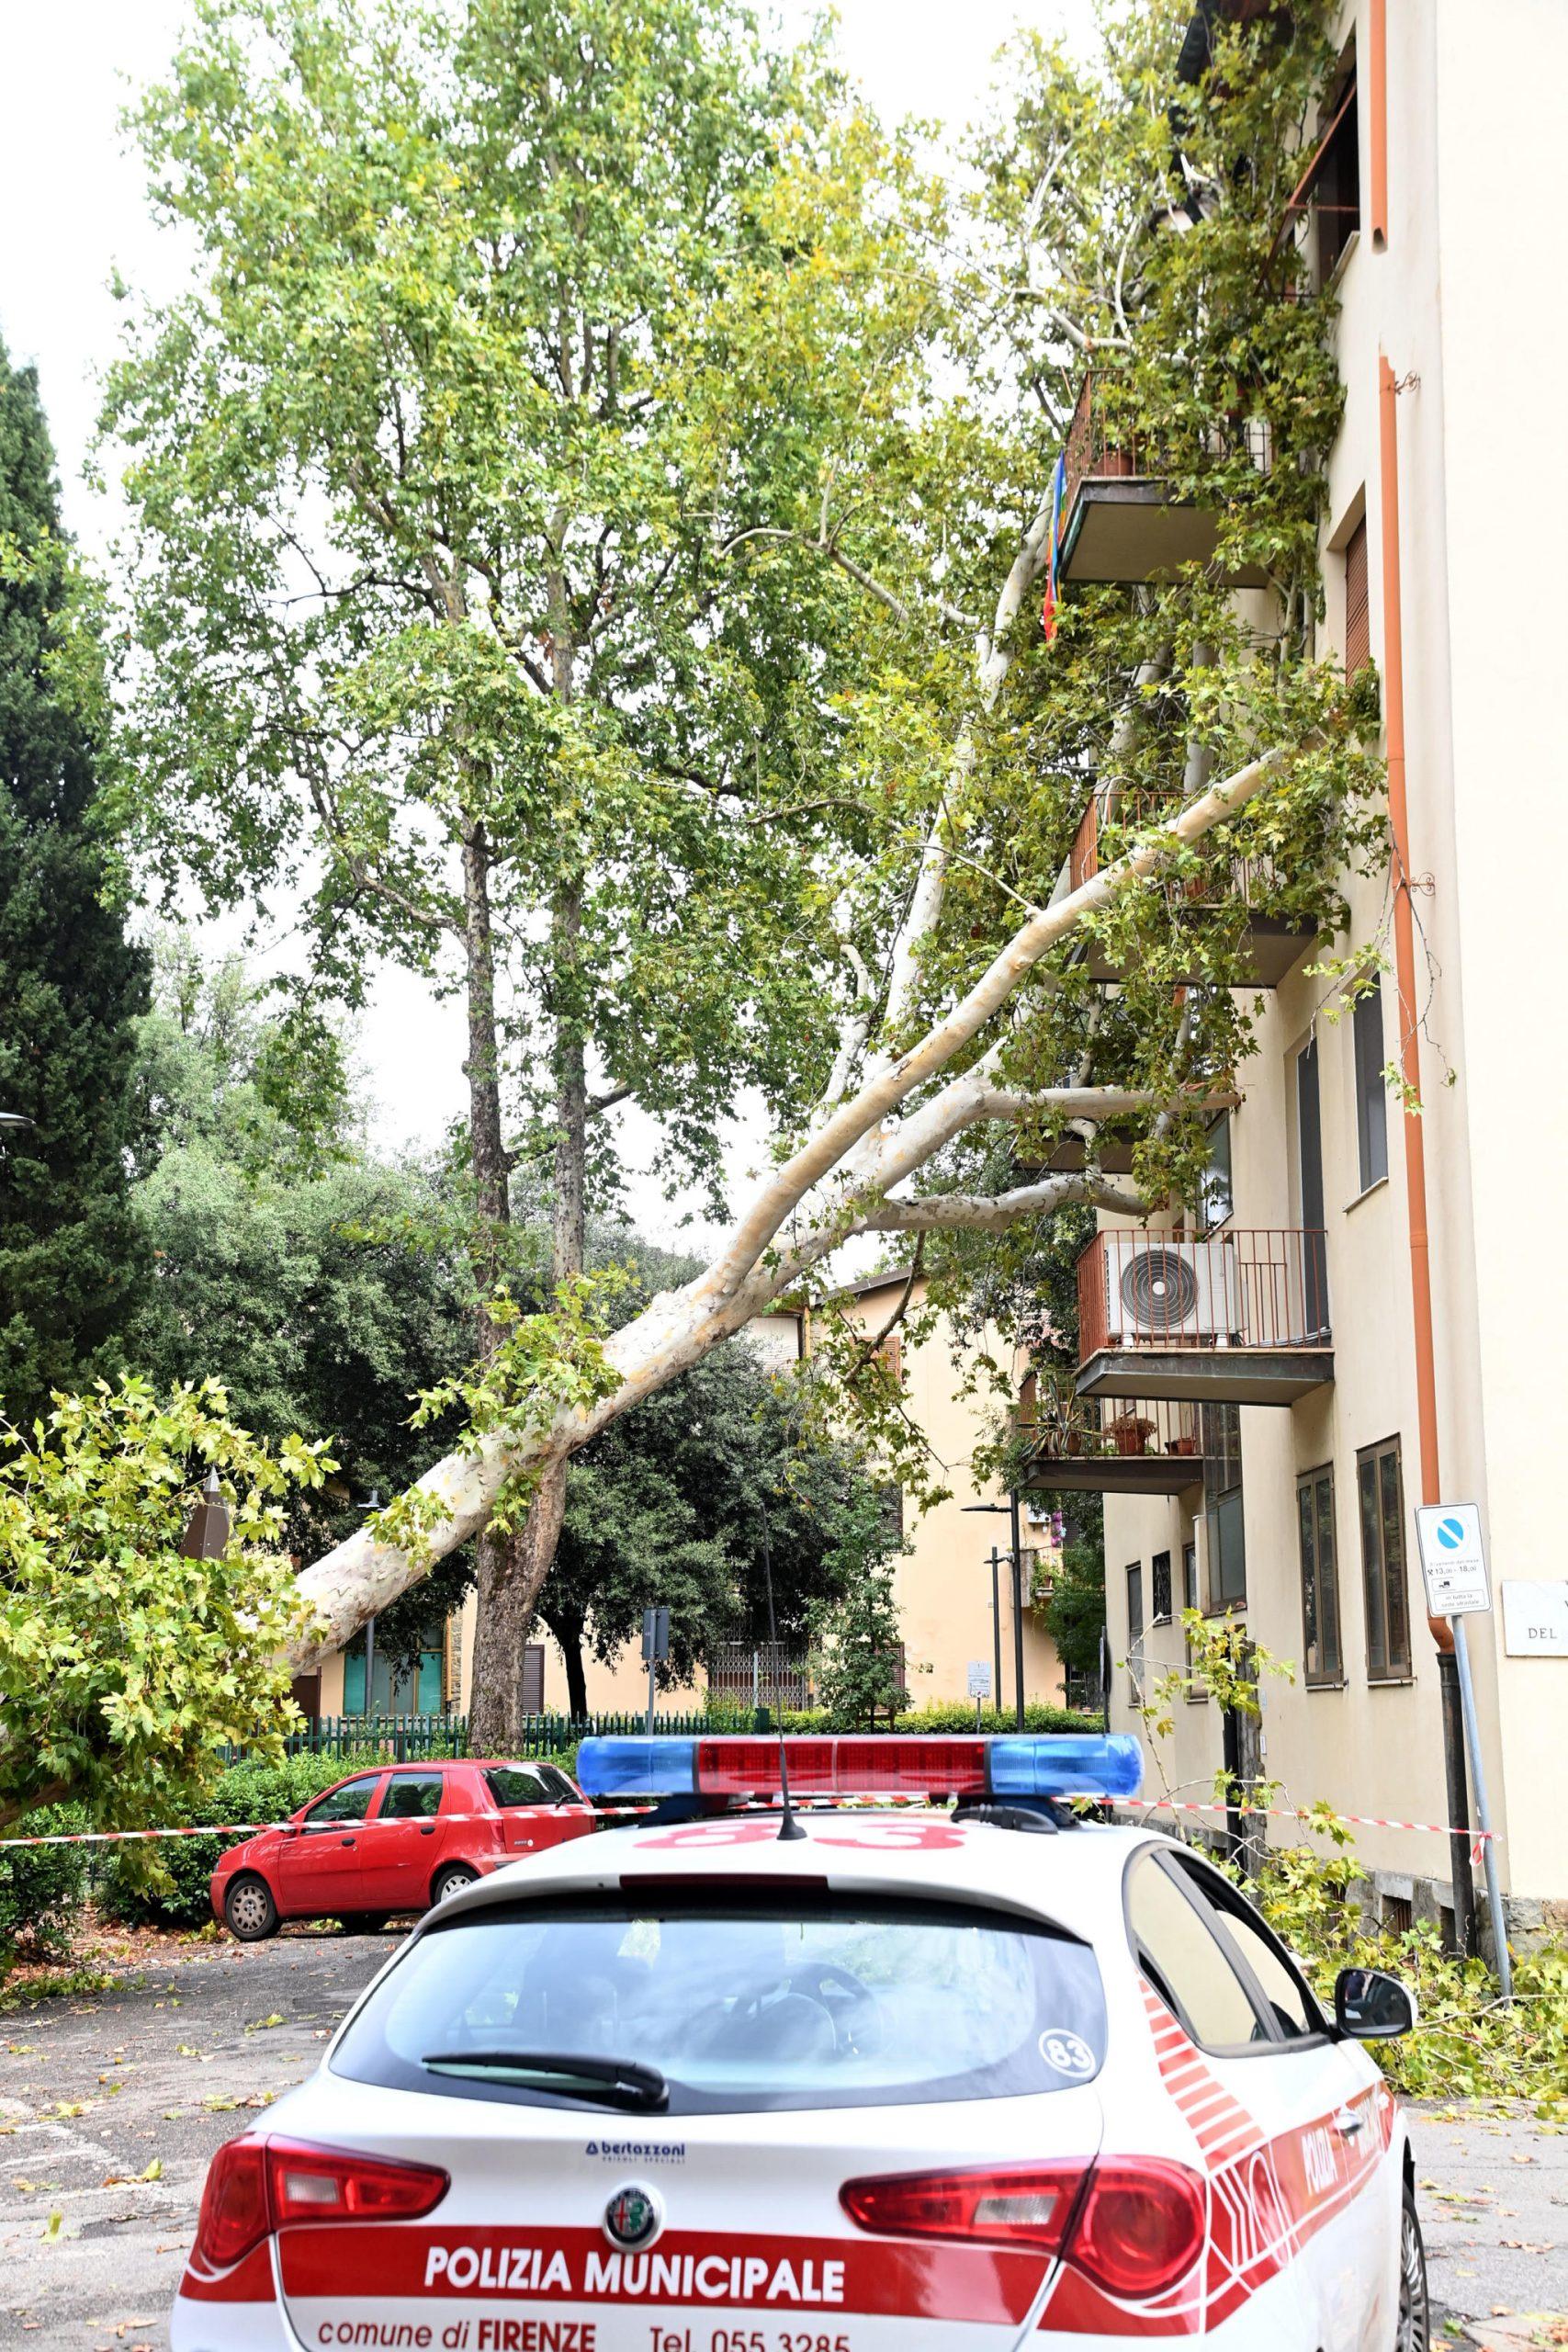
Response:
column 405, row 1738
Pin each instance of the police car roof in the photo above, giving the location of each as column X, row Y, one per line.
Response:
column 907, row 1850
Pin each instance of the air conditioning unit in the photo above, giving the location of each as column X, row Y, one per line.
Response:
column 1172, row 1292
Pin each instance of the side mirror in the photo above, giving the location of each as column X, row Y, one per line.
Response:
column 1372, row 2006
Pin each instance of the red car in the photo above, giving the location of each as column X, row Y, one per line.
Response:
column 399, row 1838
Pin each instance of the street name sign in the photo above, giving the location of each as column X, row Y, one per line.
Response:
column 1535, row 1619
column 1453, row 1559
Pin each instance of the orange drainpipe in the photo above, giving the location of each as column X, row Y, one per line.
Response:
column 1377, row 123
column 1415, row 1145
column 1404, row 959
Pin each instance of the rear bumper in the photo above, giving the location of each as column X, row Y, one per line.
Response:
column 230, row 2327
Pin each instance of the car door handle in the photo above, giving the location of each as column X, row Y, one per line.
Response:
column 348, row 1841
column 427, row 1829
column 1348, row 2122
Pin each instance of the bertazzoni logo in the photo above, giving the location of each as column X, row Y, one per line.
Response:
column 638, row 2152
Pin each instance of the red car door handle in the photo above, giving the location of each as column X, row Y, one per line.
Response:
column 348, row 1841
column 427, row 1829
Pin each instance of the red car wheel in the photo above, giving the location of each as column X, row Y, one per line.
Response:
column 249, row 1908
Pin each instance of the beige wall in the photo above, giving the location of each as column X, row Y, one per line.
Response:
column 1459, row 305
column 943, row 1584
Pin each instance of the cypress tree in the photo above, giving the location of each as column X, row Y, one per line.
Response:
column 71, row 984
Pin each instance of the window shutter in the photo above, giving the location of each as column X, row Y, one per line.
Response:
column 1356, row 644
column 534, row 1678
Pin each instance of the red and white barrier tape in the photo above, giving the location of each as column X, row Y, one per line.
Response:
column 1143, row 1806
column 230, row 1830
column 1289, row 1813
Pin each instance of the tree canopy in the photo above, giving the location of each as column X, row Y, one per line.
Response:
column 70, row 984
column 123, row 1662
column 590, row 513
column 683, row 1500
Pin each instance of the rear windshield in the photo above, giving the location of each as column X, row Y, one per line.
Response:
column 513, row 1784
column 742, row 2006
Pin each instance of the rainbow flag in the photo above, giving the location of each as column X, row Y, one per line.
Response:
column 1058, row 498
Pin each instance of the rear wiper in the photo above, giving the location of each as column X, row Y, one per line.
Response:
column 607, row 2081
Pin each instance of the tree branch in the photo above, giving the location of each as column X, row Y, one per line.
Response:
column 974, row 1213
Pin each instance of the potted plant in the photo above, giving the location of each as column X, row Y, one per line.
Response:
column 1132, row 1432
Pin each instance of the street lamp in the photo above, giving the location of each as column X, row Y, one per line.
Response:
column 367, row 1511
column 1010, row 1508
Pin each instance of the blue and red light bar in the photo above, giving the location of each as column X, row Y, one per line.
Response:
column 889, row 1764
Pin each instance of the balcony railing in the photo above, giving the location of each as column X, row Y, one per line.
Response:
column 1262, row 1290
column 1272, row 945
column 1120, row 520
column 1098, row 450
column 1250, row 879
column 1114, row 1444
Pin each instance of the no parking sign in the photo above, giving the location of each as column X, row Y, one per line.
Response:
column 1453, row 1559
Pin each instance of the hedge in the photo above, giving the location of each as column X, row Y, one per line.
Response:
column 42, row 1888
column 956, row 1714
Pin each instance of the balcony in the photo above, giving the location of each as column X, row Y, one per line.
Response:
column 1271, row 946
column 1238, row 1319
column 1120, row 521
column 1114, row 1445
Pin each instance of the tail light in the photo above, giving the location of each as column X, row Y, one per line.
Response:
column 1134, row 2226
column 233, row 2215
column 1142, row 2226
column 256, row 2185
column 1028, row 2205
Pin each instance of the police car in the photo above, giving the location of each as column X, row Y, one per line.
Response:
column 854, row 2078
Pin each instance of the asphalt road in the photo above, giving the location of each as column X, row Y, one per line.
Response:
column 154, row 2073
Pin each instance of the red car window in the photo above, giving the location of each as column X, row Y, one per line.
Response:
column 411, row 1796
column 351, row 1802
column 515, row 1784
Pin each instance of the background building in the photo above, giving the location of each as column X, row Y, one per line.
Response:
column 1300, row 1407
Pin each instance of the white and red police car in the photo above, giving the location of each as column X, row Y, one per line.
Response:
column 907, row 2080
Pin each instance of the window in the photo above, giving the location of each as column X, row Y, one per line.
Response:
column 513, row 1784
column 1381, row 1493
column 400, row 1687
column 1337, row 174
column 1224, row 1522
column 1357, row 642
column 1159, row 1587
column 1135, row 1632
column 1181, row 1955
column 351, row 1802
column 1217, row 1197
column 742, row 2001
column 1197, row 1689
column 1372, row 1093
column 411, row 1796
column 534, row 1678
column 1322, row 1659
column 1295, row 2012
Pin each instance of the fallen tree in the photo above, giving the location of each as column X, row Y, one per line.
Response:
column 572, row 575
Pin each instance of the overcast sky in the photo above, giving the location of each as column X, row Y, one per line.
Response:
column 72, row 204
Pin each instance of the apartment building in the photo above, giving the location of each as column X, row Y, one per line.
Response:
column 1368, row 1310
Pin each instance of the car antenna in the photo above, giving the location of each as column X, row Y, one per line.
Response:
column 789, row 1827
